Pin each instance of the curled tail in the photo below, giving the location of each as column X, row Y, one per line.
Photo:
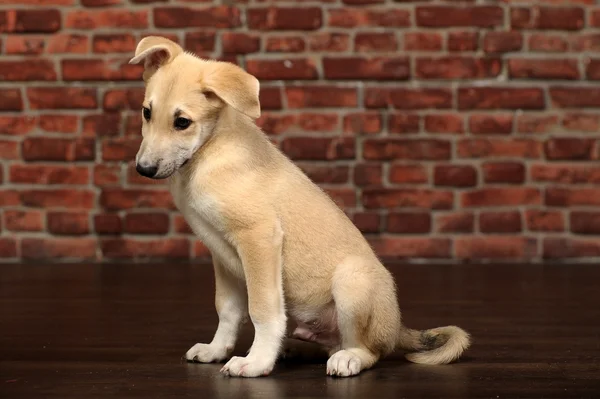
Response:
column 440, row 345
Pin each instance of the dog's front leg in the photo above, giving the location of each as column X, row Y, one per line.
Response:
column 232, row 306
column 260, row 252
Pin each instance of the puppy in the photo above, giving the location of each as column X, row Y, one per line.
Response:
column 280, row 246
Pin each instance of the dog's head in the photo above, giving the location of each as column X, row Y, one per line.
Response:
column 184, row 99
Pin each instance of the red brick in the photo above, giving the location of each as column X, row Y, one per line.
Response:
column 107, row 175
column 362, row 2
column 27, row 70
column 58, row 198
column 319, row 148
column 408, row 174
column 285, row 44
column 289, row 69
column 544, row 221
column 270, row 98
column 407, row 198
column 68, row 223
column 25, row 44
column 375, row 41
column 16, row 125
column 564, row 248
column 408, row 223
column 107, row 223
column 532, row 123
column 500, row 222
column 444, row 123
column 101, row 125
column 329, row 42
column 63, row 43
column 491, row 124
column 509, row 247
column 100, row 70
column 504, row 172
column 239, row 43
column 455, row 222
column 274, row 124
column 129, row 248
column 493, row 196
column 40, row 2
column 133, row 124
column 147, row 223
column 547, row 43
column 367, row 222
column 120, row 149
column 592, row 70
column 61, row 98
column 376, row 68
column 110, row 18
column 523, row 68
column 54, row 149
column 455, row 176
column 405, row 98
column 343, row 197
column 575, row 97
column 368, row 174
column 119, row 99
column 49, row 174
column 568, row 197
column 569, row 149
column 30, row 220
column 585, row 42
column 363, row 123
column 318, row 122
column 502, row 42
column 201, row 42
column 30, row 21
column 585, row 222
column 9, row 150
column 565, row 174
column 411, row 248
column 8, row 248
column 181, row 226
column 362, row 17
column 595, row 18
column 389, row 149
column 100, row 3
column 555, row 18
column 403, row 123
column 446, row 16
column 453, row 67
column 54, row 123
column 114, row 43
column 289, row 18
column 201, row 251
column 321, row 96
column 80, row 248
column 11, row 100
column 500, row 98
column 120, row 198
column 422, row 41
column 463, row 41
column 326, row 173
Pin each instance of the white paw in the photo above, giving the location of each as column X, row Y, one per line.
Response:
column 343, row 364
column 206, row 353
column 247, row 367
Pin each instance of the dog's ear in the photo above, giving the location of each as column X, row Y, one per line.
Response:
column 155, row 51
column 234, row 86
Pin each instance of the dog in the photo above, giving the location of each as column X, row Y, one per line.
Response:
column 280, row 246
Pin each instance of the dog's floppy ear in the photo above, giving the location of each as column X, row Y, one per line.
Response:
column 234, row 86
column 155, row 51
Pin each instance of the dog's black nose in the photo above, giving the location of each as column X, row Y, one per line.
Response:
column 148, row 171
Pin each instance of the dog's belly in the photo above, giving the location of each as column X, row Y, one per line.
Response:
column 318, row 326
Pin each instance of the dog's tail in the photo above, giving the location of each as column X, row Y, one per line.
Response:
column 440, row 345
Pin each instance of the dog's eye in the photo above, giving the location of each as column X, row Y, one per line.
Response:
column 147, row 113
column 182, row 123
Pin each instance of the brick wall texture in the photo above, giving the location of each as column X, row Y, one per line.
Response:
column 448, row 130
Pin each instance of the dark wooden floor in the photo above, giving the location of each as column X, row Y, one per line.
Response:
column 84, row 331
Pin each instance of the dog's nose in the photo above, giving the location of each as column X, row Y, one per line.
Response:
column 148, row 171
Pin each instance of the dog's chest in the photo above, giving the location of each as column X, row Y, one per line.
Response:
column 201, row 213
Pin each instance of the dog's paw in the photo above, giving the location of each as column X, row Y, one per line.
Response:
column 343, row 364
column 247, row 367
column 206, row 353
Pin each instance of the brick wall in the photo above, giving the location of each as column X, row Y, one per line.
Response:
column 463, row 130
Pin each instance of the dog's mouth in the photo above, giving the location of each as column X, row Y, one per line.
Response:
column 184, row 162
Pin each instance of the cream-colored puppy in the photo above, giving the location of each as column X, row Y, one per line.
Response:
column 280, row 246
